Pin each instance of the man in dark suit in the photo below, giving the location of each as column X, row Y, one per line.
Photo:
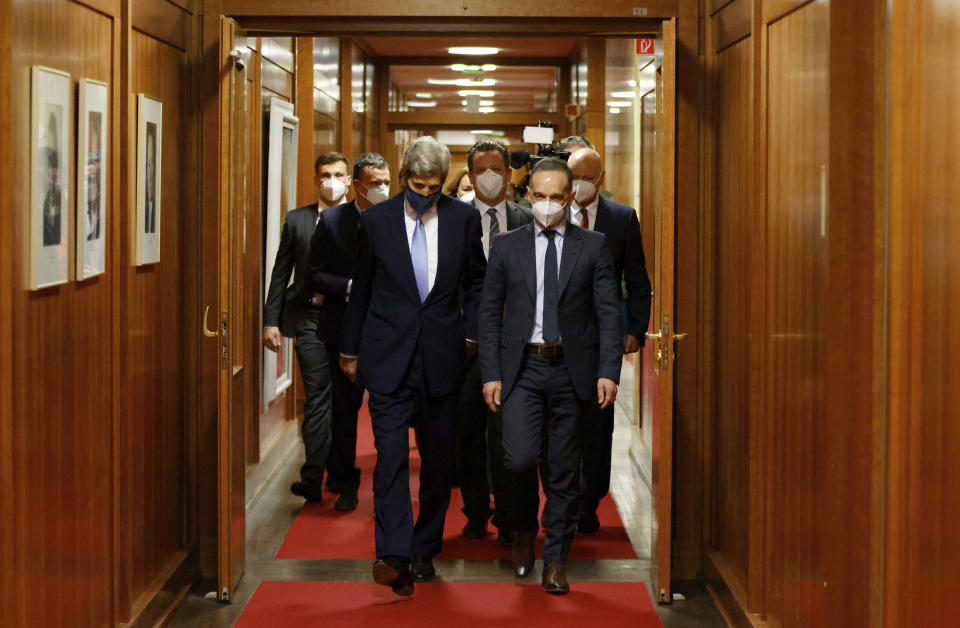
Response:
column 410, row 324
column 550, row 347
column 478, row 436
column 620, row 225
column 292, row 311
column 333, row 261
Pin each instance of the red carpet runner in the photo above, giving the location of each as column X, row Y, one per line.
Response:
column 462, row 604
column 321, row 532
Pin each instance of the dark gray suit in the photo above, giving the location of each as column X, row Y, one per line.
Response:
column 289, row 308
column 479, row 431
column 543, row 399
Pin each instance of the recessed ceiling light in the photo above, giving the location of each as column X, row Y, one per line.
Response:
column 423, row 95
column 487, row 109
column 472, row 50
column 417, row 103
column 632, row 83
column 483, row 132
column 482, row 103
column 488, row 67
column 482, row 93
column 619, row 103
column 614, row 110
column 463, row 82
column 623, row 95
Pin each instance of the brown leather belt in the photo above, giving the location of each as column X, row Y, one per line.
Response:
column 548, row 352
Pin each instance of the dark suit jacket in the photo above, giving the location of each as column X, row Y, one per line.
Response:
column 619, row 223
column 385, row 320
column 286, row 307
column 332, row 264
column 588, row 313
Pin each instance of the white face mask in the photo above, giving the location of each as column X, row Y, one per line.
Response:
column 332, row 189
column 377, row 194
column 490, row 184
column 468, row 196
column 547, row 212
column 584, row 191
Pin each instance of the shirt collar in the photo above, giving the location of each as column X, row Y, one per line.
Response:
column 559, row 229
column 482, row 207
column 591, row 208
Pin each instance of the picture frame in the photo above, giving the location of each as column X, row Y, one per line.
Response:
column 92, row 177
column 147, row 223
column 282, row 132
column 51, row 126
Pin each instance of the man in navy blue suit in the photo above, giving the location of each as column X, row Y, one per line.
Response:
column 410, row 324
column 622, row 230
column 332, row 264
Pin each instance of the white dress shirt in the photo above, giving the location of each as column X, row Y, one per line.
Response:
column 576, row 213
column 485, row 221
column 430, row 227
column 541, row 242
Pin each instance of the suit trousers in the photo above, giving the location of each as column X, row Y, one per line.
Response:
column 347, row 398
column 432, row 418
column 314, row 360
column 541, row 418
column 597, row 439
column 479, row 453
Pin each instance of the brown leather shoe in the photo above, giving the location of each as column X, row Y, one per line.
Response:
column 522, row 552
column 555, row 579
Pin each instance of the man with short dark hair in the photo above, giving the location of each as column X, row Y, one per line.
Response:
column 410, row 325
column 550, row 347
column 333, row 261
column 573, row 142
column 293, row 311
column 478, row 430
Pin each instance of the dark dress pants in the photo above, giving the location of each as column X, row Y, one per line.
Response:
column 432, row 418
column 314, row 360
column 540, row 427
column 597, row 437
column 347, row 398
column 479, row 453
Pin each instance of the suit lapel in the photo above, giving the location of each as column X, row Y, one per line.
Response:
column 445, row 241
column 398, row 234
column 527, row 251
column 603, row 217
column 514, row 219
column 569, row 255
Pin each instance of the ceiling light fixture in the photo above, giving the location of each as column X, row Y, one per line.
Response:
column 417, row 103
column 619, row 103
column 463, row 82
column 487, row 109
column 483, row 132
column 473, row 50
column 482, row 93
column 614, row 110
column 623, row 95
column 423, row 95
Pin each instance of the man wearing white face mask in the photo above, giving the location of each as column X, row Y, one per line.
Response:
column 478, row 435
column 550, row 348
column 292, row 310
column 332, row 264
column 620, row 225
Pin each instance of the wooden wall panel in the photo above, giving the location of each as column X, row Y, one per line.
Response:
column 61, row 366
column 796, row 166
column 152, row 434
column 923, row 549
column 734, row 218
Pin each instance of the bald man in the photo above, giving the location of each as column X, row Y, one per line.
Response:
column 622, row 229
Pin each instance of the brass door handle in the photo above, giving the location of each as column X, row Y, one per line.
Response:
column 679, row 336
column 207, row 332
column 656, row 336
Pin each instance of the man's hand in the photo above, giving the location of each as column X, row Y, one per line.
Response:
column 349, row 367
column 272, row 338
column 471, row 348
column 491, row 394
column 631, row 344
column 606, row 392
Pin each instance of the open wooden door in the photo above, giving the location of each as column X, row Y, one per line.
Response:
column 233, row 396
column 659, row 388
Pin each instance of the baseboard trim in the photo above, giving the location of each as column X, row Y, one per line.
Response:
column 727, row 596
column 259, row 476
column 166, row 593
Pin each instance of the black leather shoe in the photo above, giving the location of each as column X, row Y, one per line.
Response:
column 555, row 579
column 309, row 492
column 588, row 522
column 422, row 569
column 347, row 501
column 397, row 577
column 522, row 553
column 505, row 536
column 333, row 486
column 475, row 529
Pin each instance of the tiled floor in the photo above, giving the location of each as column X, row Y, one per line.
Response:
column 275, row 509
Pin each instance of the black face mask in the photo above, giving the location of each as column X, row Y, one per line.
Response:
column 421, row 203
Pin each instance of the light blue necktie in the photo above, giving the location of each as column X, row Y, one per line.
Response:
column 418, row 251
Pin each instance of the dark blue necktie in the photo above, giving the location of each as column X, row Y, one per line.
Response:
column 551, row 328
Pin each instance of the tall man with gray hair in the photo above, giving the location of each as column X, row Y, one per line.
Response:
column 410, row 324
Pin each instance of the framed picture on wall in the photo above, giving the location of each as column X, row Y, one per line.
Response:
column 92, row 190
column 51, row 128
column 282, row 129
column 146, row 243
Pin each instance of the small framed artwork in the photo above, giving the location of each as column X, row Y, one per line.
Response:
column 149, row 150
column 92, row 178
column 50, row 132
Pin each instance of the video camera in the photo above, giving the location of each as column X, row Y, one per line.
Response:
column 542, row 136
